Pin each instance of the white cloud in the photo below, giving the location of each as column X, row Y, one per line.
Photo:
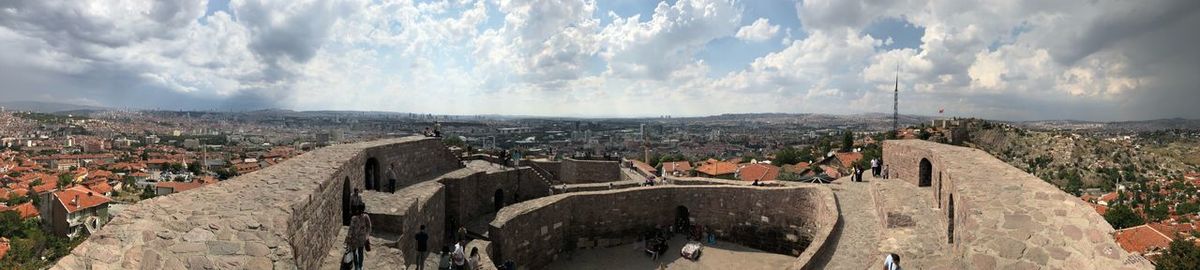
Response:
column 988, row 58
column 759, row 31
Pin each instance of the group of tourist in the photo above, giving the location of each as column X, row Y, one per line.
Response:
column 436, row 131
column 877, row 170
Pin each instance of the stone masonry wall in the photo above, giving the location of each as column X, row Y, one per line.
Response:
column 1004, row 217
column 776, row 219
column 402, row 214
column 589, row 171
column 554, row 167
column 279, row 217
column 472, row 195
column 413, row 162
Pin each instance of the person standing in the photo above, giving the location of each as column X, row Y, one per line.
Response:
column 356, row 201
column 473, row 260
column 858, row 172
column 462, row 233
column 458, row 258
column 891, row 262
column 356, row 238
column 422, row 247
column 874, row 167
column 444, row 260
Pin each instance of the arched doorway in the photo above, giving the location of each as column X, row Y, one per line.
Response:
column 950, row 220
column 925, row 178
column 498, row 199
column 371, row 174
column 346, row 202
column 683, row 221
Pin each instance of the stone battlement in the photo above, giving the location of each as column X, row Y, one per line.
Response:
column 282, row 217
column 996, row 215
column 793, row 220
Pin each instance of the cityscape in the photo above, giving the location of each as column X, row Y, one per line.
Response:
column 690, row 134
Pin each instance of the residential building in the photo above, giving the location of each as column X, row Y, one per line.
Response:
column 78, row 210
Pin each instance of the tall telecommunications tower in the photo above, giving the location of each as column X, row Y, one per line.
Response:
column 896, row 103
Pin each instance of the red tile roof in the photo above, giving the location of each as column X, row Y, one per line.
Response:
column 795, row 168
column 26, row 210
column 848, row 159
column 717, row 168
column 86, row 198
column 1142, row 239
column 1108, row 197
column 4, row 246
column 177, row 187
column 1099, row 208
column 4, row 193
column 676, row 166
column 102, row 187
column 645, row 168
column 758, row 171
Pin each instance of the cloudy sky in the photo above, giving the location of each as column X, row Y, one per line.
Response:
column 1005, row 59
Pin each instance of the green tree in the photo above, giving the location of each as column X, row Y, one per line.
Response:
column 1180, row 254
column 1187, row 208
column 847, row 141
column 788, row 155
column 1121, row 216
column 176, row 167
column 1157, row 212
column 65, row 180
column 194, row 167
column 147, row 193
column 1074, row 184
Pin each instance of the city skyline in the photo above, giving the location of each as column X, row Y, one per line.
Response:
column 1005, row 60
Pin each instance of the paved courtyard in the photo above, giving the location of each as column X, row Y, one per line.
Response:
column 723, row 255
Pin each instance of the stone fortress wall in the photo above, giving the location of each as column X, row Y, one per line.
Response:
column 282, row 217
column 997, row 215
column 577, row 171
column 794, row 220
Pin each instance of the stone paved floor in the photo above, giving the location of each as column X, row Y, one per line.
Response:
column 921, row 244
column 857, row 245
column 723, row 255
column 381, row 256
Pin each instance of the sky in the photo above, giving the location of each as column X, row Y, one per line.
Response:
column 1104, row 60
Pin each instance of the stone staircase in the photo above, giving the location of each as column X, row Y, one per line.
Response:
column 545, row 176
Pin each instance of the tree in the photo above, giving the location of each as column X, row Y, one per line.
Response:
column 1187, row 208
column 847, row 141
column 788, row 155
column 1074, row 184
column 1158, row 212
column 1180, row 254
column 194, row 167
column 65, row 180
column 147, row 193
column 1120, row 216
column 176, row 167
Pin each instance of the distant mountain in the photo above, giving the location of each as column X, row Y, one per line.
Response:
column 48, row 107
column 1144, row 125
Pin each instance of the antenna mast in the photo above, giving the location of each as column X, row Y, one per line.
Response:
column 896, row 103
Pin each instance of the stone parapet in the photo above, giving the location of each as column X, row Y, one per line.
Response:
column 574, row 171
column 793, row 220
column 998, row 216
column 280, row 217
